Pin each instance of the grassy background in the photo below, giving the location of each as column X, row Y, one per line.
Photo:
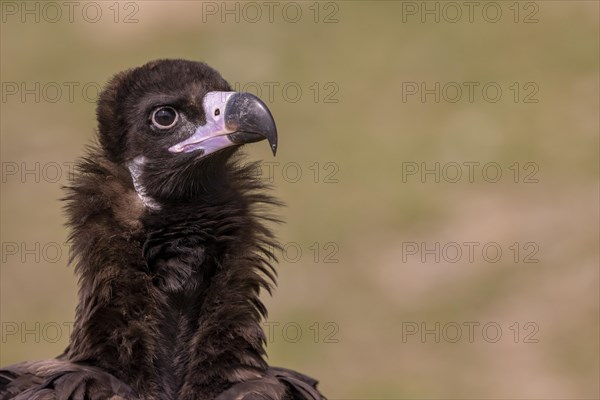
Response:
column 376, row 289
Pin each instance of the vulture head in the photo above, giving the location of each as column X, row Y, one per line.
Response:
column 175, row 124
column 170, row 245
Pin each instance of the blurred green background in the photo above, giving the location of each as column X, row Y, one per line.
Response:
column 354, row 63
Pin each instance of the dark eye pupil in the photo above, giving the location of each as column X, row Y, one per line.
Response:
column 165, row 116
column 217, row 112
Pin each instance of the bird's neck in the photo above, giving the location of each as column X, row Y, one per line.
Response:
column 168, row 298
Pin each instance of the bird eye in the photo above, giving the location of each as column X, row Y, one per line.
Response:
column 164, row 117
column 217, row 112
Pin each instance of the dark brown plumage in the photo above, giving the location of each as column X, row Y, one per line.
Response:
column 171, row 250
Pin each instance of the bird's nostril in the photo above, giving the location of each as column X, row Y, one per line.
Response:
column 217, row 112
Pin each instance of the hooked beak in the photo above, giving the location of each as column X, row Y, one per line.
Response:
column 231, row 118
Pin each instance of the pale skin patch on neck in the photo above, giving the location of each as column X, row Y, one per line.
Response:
column 135, row 169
